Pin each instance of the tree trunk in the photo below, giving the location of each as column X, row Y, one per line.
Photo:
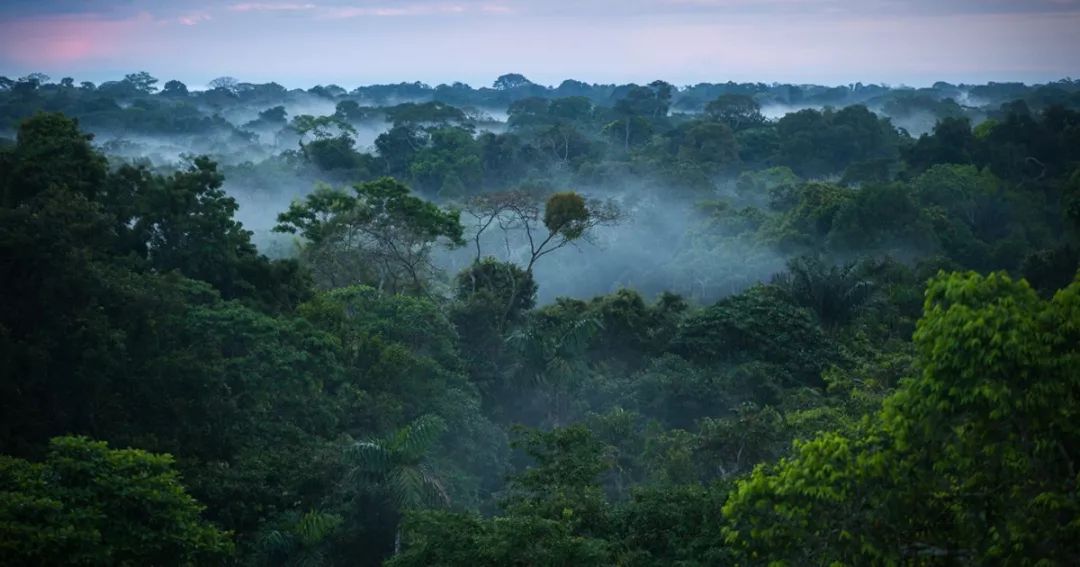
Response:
column 397, row 540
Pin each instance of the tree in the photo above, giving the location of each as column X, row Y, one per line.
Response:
column 555, row 513
column 427, row 114
column 575, row 109
column 336, row 153
column 496, row 208
column 492, row 297
column 397, row 464
column 175, row 88
column 274, row 115
column 320, row 127
column 379, row 234
column 637, row 107
column 834, row 293
column 758, row 324
column 738, row 111
column 567, row 464
column 970, row 460
column 91, row 504
column 567, row 217
column 142, row 81
column 663, row 92
column 301, row 541
column 37, row 79
column 969, row 195
column 708, row 144
column 528, row 113
column 349, row 111
column 449, row 164
column 228, row 84
column 398, row 147
column 50, row 150
column 815, row 143
column 501, row 282
column 550, row 359
column 511, row 81
column 185, row 221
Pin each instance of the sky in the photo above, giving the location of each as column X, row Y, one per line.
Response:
column 300, row 43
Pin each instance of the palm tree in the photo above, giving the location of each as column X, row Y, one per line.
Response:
column 300, row 542
column 552, row 358
column 834, row 293
column 398, row 465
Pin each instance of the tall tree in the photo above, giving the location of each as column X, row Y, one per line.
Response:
column 398, row 464
column 379, row 234
column 738, row 111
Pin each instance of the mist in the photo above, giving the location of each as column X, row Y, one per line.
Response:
column 662, row 245
column 565, row 322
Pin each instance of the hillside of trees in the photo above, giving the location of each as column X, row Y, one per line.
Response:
column 251, row 325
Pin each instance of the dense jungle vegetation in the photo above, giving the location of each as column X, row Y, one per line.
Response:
column 790, row 325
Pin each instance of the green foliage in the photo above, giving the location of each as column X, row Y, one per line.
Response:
column 817, row 143
column 758, row 324
column 970, row 460
column 678, row 392
column 757, row 185
column 142, row 81
column 320, row 127
column 738, row 111
column 428, row 113
column 50, row 151
column 555, row 512
column 185, row 222
column 440, row 538
column 789, row 423
column 302, row 542
column 566, row 214
column 379, row 235
column 398, row 463
column 89, row 504
column 807, row 213
column 550, row 357
column 679, row 525
column 502, row 284
column 450, row 165
column 834, row 293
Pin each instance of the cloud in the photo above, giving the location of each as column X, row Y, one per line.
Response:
column 346, row 12
column 496, row 9
column 194, row 19
column 343, row 10
column 271, row 7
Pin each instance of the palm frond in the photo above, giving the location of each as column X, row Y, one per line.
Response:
column 413, row 441
column 315, row 526
column 371, row 457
